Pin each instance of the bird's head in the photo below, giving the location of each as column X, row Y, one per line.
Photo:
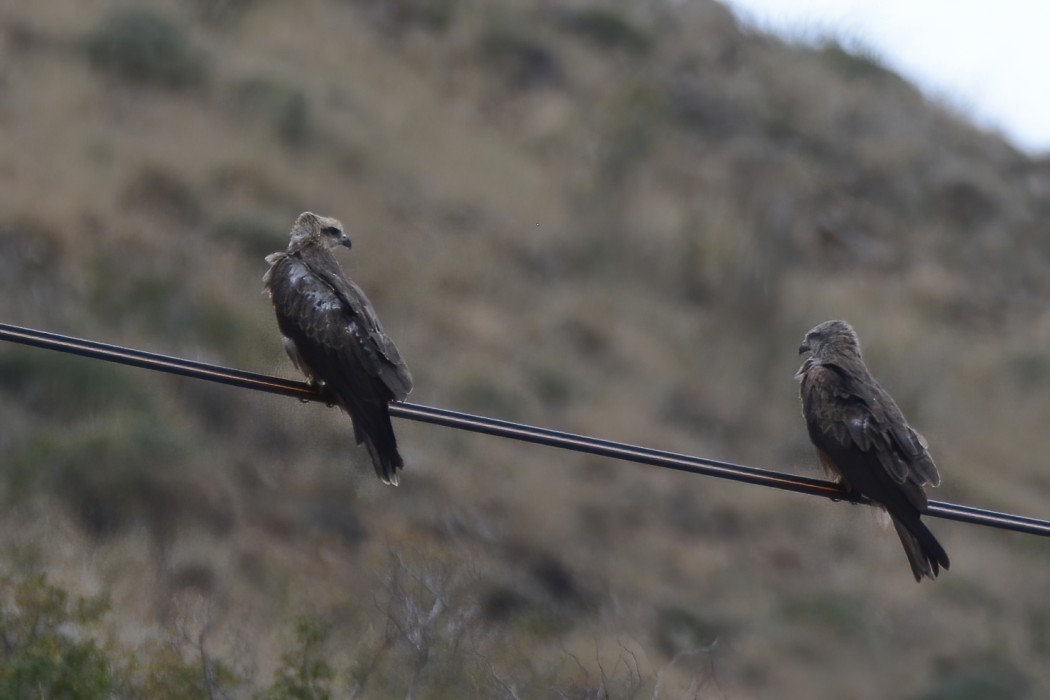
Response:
column 329, row 231
column 836, row 337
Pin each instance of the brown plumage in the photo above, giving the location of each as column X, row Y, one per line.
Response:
column 333, row 336
column 862, row 438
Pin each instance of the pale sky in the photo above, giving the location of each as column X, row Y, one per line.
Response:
column 989, row 60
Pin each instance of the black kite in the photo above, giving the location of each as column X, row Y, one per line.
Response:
column 333, row 336
column 862, row 438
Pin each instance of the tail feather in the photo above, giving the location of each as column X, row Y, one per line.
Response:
column 386, row 463
column 373, row 428
column 925, row 554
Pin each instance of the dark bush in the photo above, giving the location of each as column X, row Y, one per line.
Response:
column 679, row 630
column 223, row 13
column 523, row 60
column 43, row 656
column 607, row 29
column 257, row 233
column 304, row 673
column 855, row 61
column 158, row 191
column 66, row 387
column 285, row 108
column 395, row 17
column 143, row 46
column 975, row 679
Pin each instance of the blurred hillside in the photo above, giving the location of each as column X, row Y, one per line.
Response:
column 603, row 217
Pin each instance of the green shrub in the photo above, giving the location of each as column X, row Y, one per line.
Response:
column 680, row 630
column 143, row 46
column 257, row 233
column 284, row 107
column 486, row 398
column 553, row 385
column 223, row 13
column 56, row 647
column 397, row 17
column 304, row 674
column 978, row 679
column 158, row 191
column 855, row 60
column 46, row 651
column 65, row 387
column 522, row 59
column 171, row 675
column 607, row 29
column 833, row 612
column 1039, row 631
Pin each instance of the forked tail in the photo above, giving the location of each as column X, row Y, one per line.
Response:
column 925, row 554
column 375, row 431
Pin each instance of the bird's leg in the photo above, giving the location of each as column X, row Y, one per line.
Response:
column 852, row 494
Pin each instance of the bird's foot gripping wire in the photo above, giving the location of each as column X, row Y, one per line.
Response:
column 330, row 399
column 319, row 386
column 849, row 493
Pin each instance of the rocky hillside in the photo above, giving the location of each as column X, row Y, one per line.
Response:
column 617, row 219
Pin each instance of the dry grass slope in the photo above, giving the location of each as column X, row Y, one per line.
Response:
column 608, row 218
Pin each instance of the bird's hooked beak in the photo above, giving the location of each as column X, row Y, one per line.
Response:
column 344, row 240
column 804, row 348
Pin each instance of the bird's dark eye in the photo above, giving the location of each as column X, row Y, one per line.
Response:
column 330, row 231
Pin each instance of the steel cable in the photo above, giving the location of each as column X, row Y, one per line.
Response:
column 505, row 429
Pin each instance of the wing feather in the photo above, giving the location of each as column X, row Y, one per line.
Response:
column 376, row 351
column 315, row 303
column 861, row 434
column 855, row 421
column 333, row 336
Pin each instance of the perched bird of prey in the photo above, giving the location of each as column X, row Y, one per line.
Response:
column 333, row 336
column 862, row 438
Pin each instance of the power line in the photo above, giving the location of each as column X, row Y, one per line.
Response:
column 505, row 429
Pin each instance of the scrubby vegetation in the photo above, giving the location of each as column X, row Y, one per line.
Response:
column 607, row 218
column 143, row 45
